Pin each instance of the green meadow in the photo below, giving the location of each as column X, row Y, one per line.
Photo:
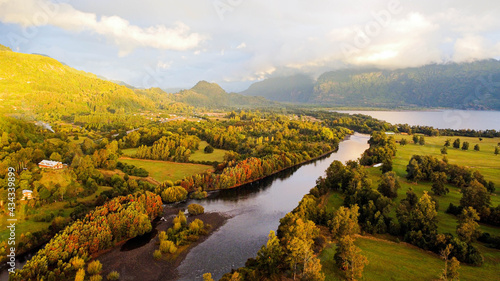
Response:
column 400, row 261
column 199, row 155
column 163, row 170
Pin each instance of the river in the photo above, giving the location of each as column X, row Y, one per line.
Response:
column 441, row 119
column 254, row 211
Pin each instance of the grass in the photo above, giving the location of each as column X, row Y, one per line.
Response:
column 24, row 225
column 199, row 155
column 400, row 261
column 130, row 152
column 163, row 170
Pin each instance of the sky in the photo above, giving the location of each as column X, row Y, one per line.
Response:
column 174, row 44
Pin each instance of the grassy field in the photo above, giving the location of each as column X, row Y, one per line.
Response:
column 130, row 152
column 393, row 261
column 199, row 155
column 484, row 160
column 163, row 170
column 400, row 261
column 24, row 225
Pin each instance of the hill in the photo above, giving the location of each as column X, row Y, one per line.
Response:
column 297, row 88
column 471, row 85
column 211, row 95
column 42, row 85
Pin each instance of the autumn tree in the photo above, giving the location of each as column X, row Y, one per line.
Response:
column 468, row 228
column 269, row 257
column 345, row 221
column 349, row 259
column 207, row 277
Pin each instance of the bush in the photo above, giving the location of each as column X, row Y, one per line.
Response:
column 174, row 194
column 208, row 149
column 96, row 277
column 113, row 275
column 195, row 209
column 157, row 254
column 167, row 246
column 94, row 267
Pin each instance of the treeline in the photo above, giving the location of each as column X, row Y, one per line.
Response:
column 248, row 170
column 382, row 150
column 172, row 148
column 474, row 188
column 118, row 219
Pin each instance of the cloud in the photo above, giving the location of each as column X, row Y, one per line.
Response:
column 256, row 39
column 32, row 13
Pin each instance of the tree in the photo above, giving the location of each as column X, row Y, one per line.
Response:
column 195, row 209
column 450, row 271
column 207, row 277
column 80, row 275
column 468, row 228
column 476, row 196
column 447, row 143
column 415, row 139
column 403, row 142
column 444, row 150
column 269, row 257
column 465, row 145
column 456, row 143
column 345, row 221
column 389, row 185
column 94, row 267
column 349, row 259
column 421, row 140
column 55, row 157
column 476, row 147
column 386, row 165
column 438, row 183
column 497, row 150
column 208, row 149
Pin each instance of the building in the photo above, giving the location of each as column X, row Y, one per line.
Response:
column 27, row 194
column 48, row 164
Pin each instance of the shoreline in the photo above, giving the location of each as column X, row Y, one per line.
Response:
column 138, row 263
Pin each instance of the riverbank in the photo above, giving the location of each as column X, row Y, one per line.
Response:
column 134, row 259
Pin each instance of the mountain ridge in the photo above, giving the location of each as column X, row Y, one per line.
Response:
column 468, row 85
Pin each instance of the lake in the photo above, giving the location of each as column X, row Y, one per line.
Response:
column 441, row 119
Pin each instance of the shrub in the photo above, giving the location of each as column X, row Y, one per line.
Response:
column 94, row 267
column 208, row 149
column 195, row 209
column 157, row 254
column 96, row 277
column 113, row 275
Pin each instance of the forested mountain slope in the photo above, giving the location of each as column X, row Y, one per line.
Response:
column 470, row 85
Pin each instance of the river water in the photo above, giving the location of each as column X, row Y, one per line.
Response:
column 441, row 119
column 254, row 211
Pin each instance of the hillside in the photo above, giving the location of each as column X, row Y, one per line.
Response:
column 297, row 88
column 211, row 95
column 471, row 85
column 42, row 85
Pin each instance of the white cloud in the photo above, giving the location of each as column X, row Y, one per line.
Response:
column 241, row 46
column 32, row 13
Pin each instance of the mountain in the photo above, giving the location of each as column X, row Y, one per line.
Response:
column 469, row 85
column 211, row 95
column 297, row 88
column 42, row 85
